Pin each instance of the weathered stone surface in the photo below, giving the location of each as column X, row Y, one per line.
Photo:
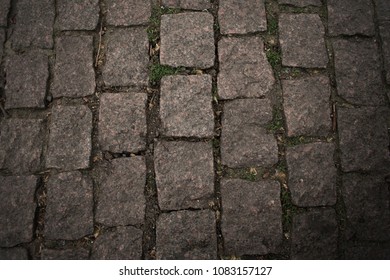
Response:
column 17, row 253
column 73, row 72
column 127, row 57
column 125, row 243
column 77, row 15
column 306, row 106
column 27, row 76
column 122, row 122
column 350, row 17
column 186, row 235
column 364, row 139
column 21, row 144
column 2, row 39
column 186, row 106
column 366, row 200
column 245, row 141
column 383, row 9
column 312, row 174
column 302, row 40
column 252, row 217
column 128, row 12
column 314, row 235
column 67, row 254
column 69, row 206
column 184, row 174
column 120, row 195
column 244, row 68
column 367, row 252
column 358, row 73
column 301, row 3
column 187, row 39
column 240, row 17
column 4, row 9
column 70, row 138
column 33, row 24
column 188, row 4
column 17, row 209
column 384, row 29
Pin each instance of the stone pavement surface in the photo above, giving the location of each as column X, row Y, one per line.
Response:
column 202, row 129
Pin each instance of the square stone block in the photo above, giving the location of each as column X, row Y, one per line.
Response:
column 67, row 254
column 128, row 12
column 301, row 3
column 4, row 9
column 16, row 253
column 77, row 15
column 188, row 4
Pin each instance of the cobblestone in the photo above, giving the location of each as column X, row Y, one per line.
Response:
column 67, row 254
column 301, row 3
column 4, row 9
column 384, row 29
column 127, row 13
column 368, row 252
column 188, row 4
column 383, row 9
column 17, row 253
column 77, row 15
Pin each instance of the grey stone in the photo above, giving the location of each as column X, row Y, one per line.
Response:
column 77, row 15
column 17, row 253
column 122, row 122
column 307, row 107
column 240, row 17
column 312, row 174
column 2, row 39
column 186, row 108
column 27, row 76
column 21, row 142
column 314, row 235
column 301, row 3
column 245, row 141
column 128, row 12
column 187, row 39
column 244, row 68
column 125, row 243
column 384, row 29
column 17, row 209
column 184, row 174
column 251, row 218
column 4, row 9
column 69, row 206
column 189, row 235
column 70, row 138
column 383, row 9
column 66, row 254
column 302, row 40
column 127, row 57
column 367, row 252
column 188, row 4
column 120, row 195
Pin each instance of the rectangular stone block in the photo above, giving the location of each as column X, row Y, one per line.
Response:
column 4, row 9
column 128, row 12
column 188, row 4
column 77, row 15
column 301, row 3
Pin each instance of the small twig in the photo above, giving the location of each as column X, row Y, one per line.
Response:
column 100, row 45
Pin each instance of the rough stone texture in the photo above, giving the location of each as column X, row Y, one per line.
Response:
column 301, row 3
column 358, row 73
column 245, row 141
column 186, row 235
column 34, row 24
column 350, row 17
column 383, row 9
column 67, row 254
column 21, row 144
column 188, row 4
column 27, row 76
column 77, row 15
column 187, row 39
column 120, row 195
column 302, row 40
column 70, row 138
column 384, row 29
column 368, row 252
column 125, row 243
column 314, row 236
column 127, row 57
column 4, row 9
column 186, row 108
column 240, row 17
column 17, row 253
column 122, row 122
column 366, row 200
column 252, row 217
column 312, row 174
column 364, row 139
column 128, row 12
column 184, row 174
column 244, row 68
column 69, row 206
column 2, row 39
column 17, row 209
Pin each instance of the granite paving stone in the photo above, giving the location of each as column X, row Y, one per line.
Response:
column 73, row 72
column 127, row 57
column 245, row 141
column 16, row 253
column 70, row 138
column 124, row 243
column 21, row 142
column 77, row 15
column 189, row 235
column 301, row 3
column 382, row 9
column 128, row 12
column 312, row 174
column 314, row 235
column 188, row 4
column 367, row 252
column 4, row 9
column 122, row 122
column 69, row 206
column 187, row 39
column 17, row 209
column 66, row 254
column 251, row 218
column 186, row 108
column 184, row 174
column 384, row 29
column 302, row 40
column 120, row 195
column 244, row 68
column 27, row 76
